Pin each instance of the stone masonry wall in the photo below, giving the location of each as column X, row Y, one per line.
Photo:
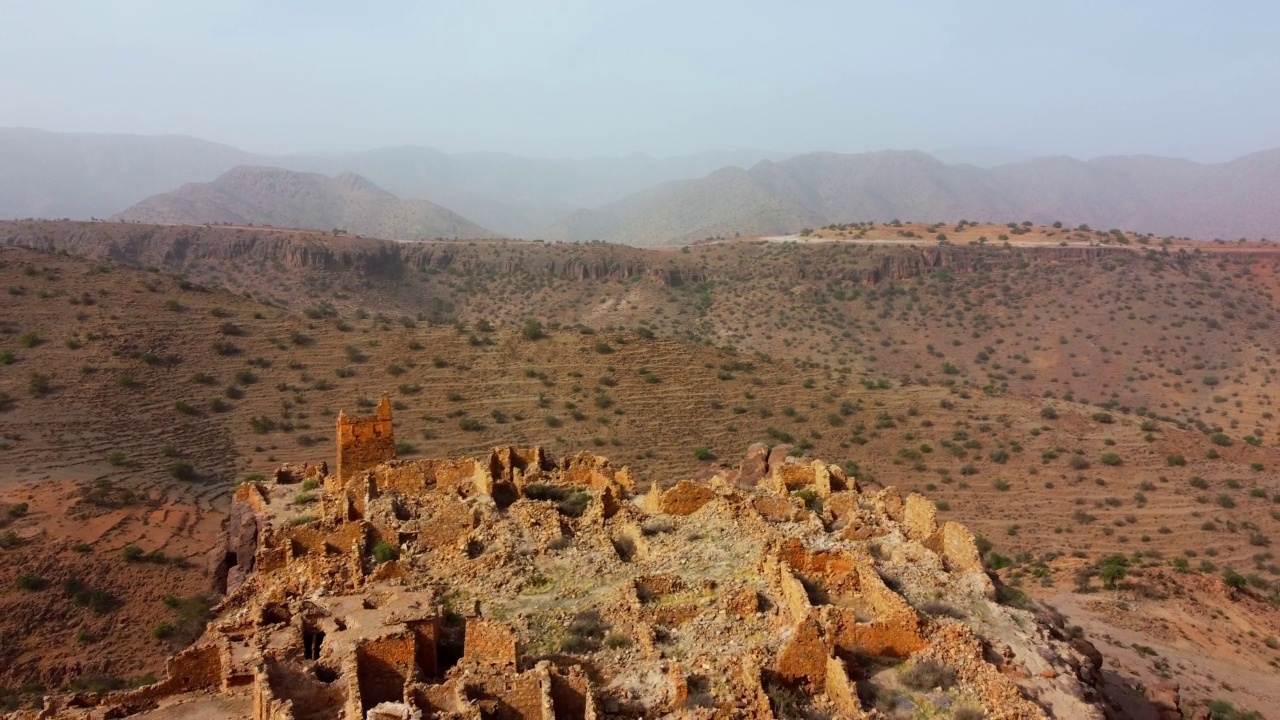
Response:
column 383, row 665
column 365, row 442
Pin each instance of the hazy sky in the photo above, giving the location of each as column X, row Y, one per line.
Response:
column 588, row 77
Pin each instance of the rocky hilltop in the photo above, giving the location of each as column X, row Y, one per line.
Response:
column 524, row 586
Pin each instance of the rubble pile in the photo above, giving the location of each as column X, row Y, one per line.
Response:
column 520, row 586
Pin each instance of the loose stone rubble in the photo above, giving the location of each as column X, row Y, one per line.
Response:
column 520, row 586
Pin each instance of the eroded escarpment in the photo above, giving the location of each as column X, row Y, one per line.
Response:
column 519, row 585
column 187, row 248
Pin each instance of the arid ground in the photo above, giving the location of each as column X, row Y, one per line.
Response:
column 1113, row 395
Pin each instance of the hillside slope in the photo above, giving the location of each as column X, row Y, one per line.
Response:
column 271, row 196
column 1067, row 403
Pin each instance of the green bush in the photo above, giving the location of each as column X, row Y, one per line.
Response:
column 569, row 501
column 98, row 601
column 384, row 551
column 703, row 454
column 927, row 675
column 39, row 385
column 31, row 582
column 812, row 500
column 1233, row 579
column 532, row 330
column 182, row 470
column 1110, row 458
column 1112, row 569
column 1223, row 710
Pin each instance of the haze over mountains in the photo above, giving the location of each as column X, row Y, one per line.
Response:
column 635, row 199
column 270, row 196
column 1146, row 194
column 80, row 176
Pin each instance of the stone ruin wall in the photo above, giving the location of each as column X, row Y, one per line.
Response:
column 383, row 666
column 364, row 442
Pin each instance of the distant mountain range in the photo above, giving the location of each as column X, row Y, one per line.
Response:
column 79, row 176
column 284, row 198
column 1145, row 194
column 634, row 199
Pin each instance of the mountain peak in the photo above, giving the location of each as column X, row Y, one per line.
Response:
column 284, row 198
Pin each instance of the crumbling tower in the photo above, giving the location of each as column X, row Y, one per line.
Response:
column 364, row 442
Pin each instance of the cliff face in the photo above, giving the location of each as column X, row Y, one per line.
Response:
column 177, row 247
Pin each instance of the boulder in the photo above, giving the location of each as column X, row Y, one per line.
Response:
column 1164, row 699
column 754, row 467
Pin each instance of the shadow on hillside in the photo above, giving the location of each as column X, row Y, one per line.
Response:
column 1125, row 701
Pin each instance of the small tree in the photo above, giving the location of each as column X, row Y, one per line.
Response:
column 532, row 330
column 1233, row 579
column 1112, row 569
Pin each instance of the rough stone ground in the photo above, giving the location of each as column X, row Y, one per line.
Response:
column 517, row 586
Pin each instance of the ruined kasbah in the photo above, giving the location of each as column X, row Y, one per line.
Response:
column 521, row 586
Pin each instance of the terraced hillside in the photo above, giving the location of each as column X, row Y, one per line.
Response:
column 160, row 386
